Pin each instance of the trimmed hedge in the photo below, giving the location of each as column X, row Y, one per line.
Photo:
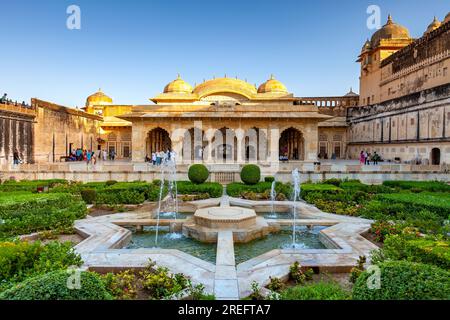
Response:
column 269, row 179
column 438, row 203
column 251, row 174
column 27, row 213
column 54, row 286
column 236, row 189
column 198, row 173
column 29, row 185
column 403, row 280
column 434, row 186
column 356, row 185
column 213, row 189
column 319, row 187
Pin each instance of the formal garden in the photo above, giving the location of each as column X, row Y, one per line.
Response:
column 410, row 228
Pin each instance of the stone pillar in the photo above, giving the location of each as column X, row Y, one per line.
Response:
column 311, row 136
column 207, row 152
column 274, row 140
column 177, row 136
column 138, row 138
column 240, row 145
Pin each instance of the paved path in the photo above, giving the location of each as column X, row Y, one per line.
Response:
column 225, row 279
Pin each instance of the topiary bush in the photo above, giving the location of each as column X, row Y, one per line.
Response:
column 54, row 286
column 269, row 179
column 198, row 173
column 403, row 280
column 250, row 174
column 89, row 195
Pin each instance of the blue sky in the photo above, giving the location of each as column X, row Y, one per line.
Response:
column 132, row 49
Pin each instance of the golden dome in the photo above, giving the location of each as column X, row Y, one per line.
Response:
column 272, row 86
column 220, row 85
column 433, row 26
column 390, row 30
column 98, row 98
column 447, row 18
column 178, row 86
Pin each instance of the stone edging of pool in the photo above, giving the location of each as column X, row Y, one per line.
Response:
column 105, row 237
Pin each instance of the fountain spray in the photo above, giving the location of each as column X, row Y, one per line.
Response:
column 296, row 180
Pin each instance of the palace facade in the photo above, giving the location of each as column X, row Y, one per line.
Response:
column 402, row 112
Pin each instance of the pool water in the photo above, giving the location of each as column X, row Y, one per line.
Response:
column 281, row 215
column 305, row 239
column 166, row 240
column 173, row 215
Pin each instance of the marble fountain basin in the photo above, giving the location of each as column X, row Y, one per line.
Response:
column 245, row 224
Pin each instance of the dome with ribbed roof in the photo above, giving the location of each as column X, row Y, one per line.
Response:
column 433, row 26
column 225, row 85
column 390, row 30
column 178, row 86
column 98, row 98
column 272, row 86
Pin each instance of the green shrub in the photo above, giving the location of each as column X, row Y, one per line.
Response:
column 357, row 270
column 434, row 186
column 298, row 275
column 269, row 179
column 251, row 174
column 213, row 189
column 198, row 173
column 333, row 181
column 161, row 284
column 53, row 286
column 319, row 187
column 275, row 284
column 110, row 183
column 316, row 291
column 411, row 248
column 19, row 260
column 122, row 285
column 382, row 228
column 89, row 195
column 403, row 280
column 119, row 197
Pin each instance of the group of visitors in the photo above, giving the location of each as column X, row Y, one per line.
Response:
column 160, row 157
column 4, row 100
column 90, row 156
column 366, row 157
column 83, row 155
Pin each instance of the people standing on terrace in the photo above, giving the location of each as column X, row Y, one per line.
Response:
column 16, row 157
